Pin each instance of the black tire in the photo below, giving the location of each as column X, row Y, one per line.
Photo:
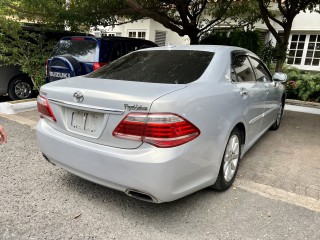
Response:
column 277, row 122
column 223, row 183
column 20, row 87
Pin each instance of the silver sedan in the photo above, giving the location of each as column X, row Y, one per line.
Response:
column 161, row 123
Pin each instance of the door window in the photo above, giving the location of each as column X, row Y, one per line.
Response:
column 241, row 69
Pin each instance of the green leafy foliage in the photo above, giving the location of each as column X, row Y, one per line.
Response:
column 301, row 85
column 191, row 18
column 25, row 49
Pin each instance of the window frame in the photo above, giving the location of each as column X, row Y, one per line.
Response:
column 263, row 66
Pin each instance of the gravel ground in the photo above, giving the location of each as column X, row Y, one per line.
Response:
column 41, row 201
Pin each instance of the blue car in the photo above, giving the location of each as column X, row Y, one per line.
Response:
column 79, row 55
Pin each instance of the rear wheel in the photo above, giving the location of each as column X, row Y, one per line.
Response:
column 276, row 124
column 230, row 162
column 20, row 87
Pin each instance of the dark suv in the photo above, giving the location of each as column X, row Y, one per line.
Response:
column 17, row 84
column 78, row 55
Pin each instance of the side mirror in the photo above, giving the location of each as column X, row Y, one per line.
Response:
column 280, row 77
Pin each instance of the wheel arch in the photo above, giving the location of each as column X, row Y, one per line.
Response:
column 283, row 98
column 242, row 130
column 24, row 75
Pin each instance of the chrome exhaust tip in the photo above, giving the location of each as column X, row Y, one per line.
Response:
column 141, row 195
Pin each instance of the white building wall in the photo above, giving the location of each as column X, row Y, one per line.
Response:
column 150, row 27
column 308, row 21
column 172, row 37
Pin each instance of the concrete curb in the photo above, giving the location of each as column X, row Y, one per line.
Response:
column 17, row 106
column 303, row 103
column 295, row 108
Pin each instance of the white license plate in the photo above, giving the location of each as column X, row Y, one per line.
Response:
column 85, row 121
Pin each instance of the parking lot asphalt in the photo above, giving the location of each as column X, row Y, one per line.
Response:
column 276, row 194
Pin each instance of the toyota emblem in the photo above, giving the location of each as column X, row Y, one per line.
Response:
column 78, row 96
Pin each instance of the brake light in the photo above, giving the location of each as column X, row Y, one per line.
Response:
column 162, row 130
column 44, row 108
column 97, row 65
column 77, row 38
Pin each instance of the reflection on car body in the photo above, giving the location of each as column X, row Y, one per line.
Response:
column 161, row 123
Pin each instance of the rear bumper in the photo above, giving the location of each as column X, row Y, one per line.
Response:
column 164, row 173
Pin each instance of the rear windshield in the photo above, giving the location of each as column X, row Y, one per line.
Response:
column 161, row 66
column 82, row 50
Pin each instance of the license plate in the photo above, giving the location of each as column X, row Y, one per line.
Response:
column 85, row 121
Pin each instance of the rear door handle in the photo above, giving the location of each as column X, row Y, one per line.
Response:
column 267, row 90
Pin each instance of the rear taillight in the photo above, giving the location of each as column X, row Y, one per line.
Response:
column 97, row 65
column 159, row 129
column 77, row 38
column 44, row 108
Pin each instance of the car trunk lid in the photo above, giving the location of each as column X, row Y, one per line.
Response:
column 90, row 109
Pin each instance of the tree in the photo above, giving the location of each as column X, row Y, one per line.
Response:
column 185, row 17
column 26, row 49
column 288, row 10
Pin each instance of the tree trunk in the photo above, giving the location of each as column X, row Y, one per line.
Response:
column 194, row 39
column 279, row 64
column 283, row 46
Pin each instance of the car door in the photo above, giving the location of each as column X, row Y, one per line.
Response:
column 251, row 95
column 271, row 91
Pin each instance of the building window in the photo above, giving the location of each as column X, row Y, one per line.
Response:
column 110, row 34
column 137, row 34
column 313, row 51
column 296, row 49
column 304, row 50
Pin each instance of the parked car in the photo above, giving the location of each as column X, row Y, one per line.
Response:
column 17, row 84
column 161, row 123
column 75, row 56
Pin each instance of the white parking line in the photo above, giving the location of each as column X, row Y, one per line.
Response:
column 278, row 194
column 20, row 120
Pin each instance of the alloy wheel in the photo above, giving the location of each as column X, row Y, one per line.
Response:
column 231, row 158
column 23, row 90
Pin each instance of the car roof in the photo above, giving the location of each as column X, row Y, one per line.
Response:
column 207, row 48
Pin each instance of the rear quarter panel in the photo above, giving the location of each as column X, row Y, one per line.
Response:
column 213, row 105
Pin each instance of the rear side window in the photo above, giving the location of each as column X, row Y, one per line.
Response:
column 162, row 66
column 119, row 49
column 82, row 50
